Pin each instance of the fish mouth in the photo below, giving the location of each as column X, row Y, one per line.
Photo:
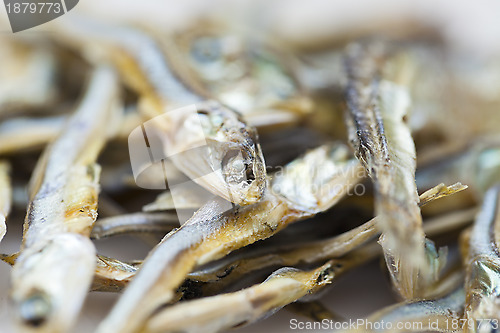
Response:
column 35, row 310
column 244, row 173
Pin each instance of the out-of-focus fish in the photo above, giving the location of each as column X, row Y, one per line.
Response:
column 215, row 231
column 5, row 196
column 228, row 160
column 313, row 310
column 377, row 106
column 216, row 313
column 57, row 258
column 26, row 134
column 447, row 87
column 134, row 223
column 482, row 310
column 30, row 71
column 455, row 220
column 29, row 133
column 244, row 73
column 476, row 164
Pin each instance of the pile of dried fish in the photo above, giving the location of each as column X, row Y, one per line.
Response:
column 256, row 182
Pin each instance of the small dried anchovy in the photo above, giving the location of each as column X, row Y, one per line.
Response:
column 308, row 253
column 483, row 267
column 377, row 104
column 57, row 256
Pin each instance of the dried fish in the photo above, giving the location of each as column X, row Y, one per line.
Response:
column 220, row 312
column 5, row 196
column 378, row 102
column 134, row 223
column 483, row 268
column 57, row 257
column 214, row 232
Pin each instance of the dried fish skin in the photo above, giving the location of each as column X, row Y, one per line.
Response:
column 57, row 256
column 483, row 267
column 112, row 275
column 440, row 191
column 5, row 196
column 308, row 181
column 217, row 313
column 377, row 104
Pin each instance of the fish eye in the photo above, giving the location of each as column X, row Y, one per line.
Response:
column 206, row 50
